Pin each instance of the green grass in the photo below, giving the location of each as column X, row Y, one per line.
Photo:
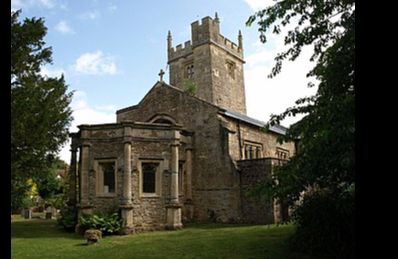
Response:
column 38, row 238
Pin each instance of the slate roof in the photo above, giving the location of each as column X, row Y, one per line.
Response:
column 275, row 128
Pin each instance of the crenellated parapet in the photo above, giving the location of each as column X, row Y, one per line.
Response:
column 205, row 31
column 180, row 50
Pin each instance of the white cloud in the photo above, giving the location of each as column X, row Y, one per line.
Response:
column 18, row 4
column 106, row 108
column 51, row 72
column 83, row 113
column 95, row 63
column 64, row 28
column 91, row 15
column 112, row 8
column 265, row 96
column 256, row 5
column 47, row 3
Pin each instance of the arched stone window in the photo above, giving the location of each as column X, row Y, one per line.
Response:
column 162, row 118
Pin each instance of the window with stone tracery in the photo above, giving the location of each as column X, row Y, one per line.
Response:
column 231, row 67
column 282, row 153
column 189, row 71
column 252, row 150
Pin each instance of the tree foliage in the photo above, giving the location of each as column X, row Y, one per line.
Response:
column 325, row 156
column 50, row 185
column 40, row 112
column 325, row 159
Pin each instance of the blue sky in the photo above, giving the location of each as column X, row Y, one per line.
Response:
column 110, row 52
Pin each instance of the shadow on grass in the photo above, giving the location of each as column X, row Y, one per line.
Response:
column 39, row 228
column 82, row 244
column 216, row 225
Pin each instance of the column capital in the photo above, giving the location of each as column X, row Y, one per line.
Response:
column 86, row 143
column 126, row 141
column 175, row 144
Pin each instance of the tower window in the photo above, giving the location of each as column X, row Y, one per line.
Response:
column 231, row 66
column 189, row 71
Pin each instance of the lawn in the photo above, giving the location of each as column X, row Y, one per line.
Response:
column 39, row 238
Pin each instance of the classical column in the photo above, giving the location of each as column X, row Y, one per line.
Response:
column 127, row 174
column 174, row 208
column 72, row 174
column 126, row 206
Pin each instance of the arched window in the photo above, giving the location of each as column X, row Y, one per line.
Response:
column 164, row 121
column 162, row 118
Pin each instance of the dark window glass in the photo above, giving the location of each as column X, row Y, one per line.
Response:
column 164, row 121
column 109, row 177
column 149, row 177
column 190, row 71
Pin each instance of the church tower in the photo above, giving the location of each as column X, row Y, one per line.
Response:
column 212, row 62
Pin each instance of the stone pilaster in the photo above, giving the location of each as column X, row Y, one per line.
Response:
column 84, row 177
column 188, row 191
column 174, row 208
column 72, row 175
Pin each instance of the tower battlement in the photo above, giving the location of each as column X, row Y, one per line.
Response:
column 212, row 62
column 180, row 50
column 207, row 30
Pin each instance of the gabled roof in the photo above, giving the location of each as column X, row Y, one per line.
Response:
column 279, row 129
column 163, row 84
column 157, row 84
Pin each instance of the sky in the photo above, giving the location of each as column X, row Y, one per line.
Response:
column 111, row 52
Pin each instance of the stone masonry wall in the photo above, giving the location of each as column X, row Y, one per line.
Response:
column 252, row 172
column 215, row 182
column 239, row 132
column 228, row 91
column 210, row 53
column 148, row 145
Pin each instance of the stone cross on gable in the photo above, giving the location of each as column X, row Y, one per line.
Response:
column 161, row 73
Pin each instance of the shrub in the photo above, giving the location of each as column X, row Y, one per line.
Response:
column 92, row 235
column 68, row 218
column 108, row 224
column 190, row 87
column 325, row 225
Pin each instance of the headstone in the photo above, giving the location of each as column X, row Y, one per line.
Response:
column 27, row 213
column 49, row 213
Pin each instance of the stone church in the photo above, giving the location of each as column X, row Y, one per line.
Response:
column 182, row 155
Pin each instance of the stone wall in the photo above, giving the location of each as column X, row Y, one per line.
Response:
column 255, row 210
column 241, row 132
column 148, row 143
column 215, row 181
column 228, row 91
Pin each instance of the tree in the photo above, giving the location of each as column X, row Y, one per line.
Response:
column 325, row 160
column 50, row 185
column 40, row 112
